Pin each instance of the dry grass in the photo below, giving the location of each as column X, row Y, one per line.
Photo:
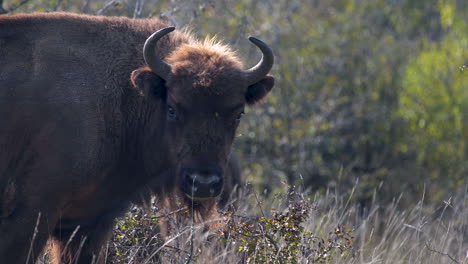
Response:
column 298, row 229
column 325, row 229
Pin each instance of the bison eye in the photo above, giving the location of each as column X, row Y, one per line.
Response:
column 171, row 114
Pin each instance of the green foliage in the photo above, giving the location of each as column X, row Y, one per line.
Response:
column 138, row 230
column 282, row 238
column 301, row 231
column 434, row 102
column 368, row 90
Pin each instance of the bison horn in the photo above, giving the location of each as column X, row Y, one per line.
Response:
column 257, row 72
column 156, row 64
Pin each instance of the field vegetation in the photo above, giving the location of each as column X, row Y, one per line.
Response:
column 360, row 155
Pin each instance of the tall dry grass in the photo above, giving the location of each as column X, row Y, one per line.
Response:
column 332, row 229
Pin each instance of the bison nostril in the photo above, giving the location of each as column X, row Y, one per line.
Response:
column 217, row 186
column 189, row 177
column 201, row 183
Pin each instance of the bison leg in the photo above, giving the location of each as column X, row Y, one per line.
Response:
column 23, row 235
column 82, row 243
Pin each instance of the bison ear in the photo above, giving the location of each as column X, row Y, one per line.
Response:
column 257, row 91
column 149, row 83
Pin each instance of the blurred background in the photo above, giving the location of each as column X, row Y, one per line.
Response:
column 369, row 94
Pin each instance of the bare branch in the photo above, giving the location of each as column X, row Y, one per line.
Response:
column 85, row 6
column 2, row 10
column 168, row 214
column 189, row 258
column 36, row 230
column 106, row 7
column 259, row 203
column 12, row 8
column 70, row 240
column 441, row 253
column 57, row 5
column 178, row 249
column 138, row 8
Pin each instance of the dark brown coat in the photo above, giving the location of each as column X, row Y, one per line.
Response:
column 81, row 135
column 206, row 212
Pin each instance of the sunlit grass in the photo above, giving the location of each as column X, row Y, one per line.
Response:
column 320, row 229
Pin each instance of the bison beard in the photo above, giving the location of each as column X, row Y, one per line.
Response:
column 206, row 211
column 86, row 125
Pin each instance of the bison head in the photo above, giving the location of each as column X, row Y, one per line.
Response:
column 202, row 89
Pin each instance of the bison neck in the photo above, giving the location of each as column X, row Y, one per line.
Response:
column 144, row 148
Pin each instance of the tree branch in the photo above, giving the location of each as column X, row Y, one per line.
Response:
column 85, row 6
column 138, row 8
column 57, row 5
column 441, row 253
column 106, row 6
column 12, row 8
column 167, row 214
column 2, row 10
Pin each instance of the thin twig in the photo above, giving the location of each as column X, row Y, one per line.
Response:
column 191, row 227
column 264, row 234
column 259, row 203
column 168, row 241
column 138, row 8
column 189, row 259
column 57, row 5
column 441, row 253
column 2, row 10
column 12, row 8
column 85, row 6
column 178, row 249
column 78, row 253
column 272, row 241
column 106, row 6
column 70, row 240
column 168, row 214
column 36, row 230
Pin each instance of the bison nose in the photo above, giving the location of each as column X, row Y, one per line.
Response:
column 202, row 183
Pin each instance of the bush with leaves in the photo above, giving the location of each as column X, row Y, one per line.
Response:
column 302, row 231
column 134, row 234
column 281, row 238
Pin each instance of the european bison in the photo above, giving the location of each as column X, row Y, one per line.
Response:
column 85, row 124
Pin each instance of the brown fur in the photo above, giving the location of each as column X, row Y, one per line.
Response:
column 170, row 201
column 84, row 125
column 218, row 62
column 8, row 200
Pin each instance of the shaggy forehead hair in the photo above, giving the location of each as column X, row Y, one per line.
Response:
column 207, row 67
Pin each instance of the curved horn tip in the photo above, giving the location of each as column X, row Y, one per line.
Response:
column 262, row 68
column 168, row 29
column 157, row 65
column 164, row 31
column 254, row 39
column 259, row 43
